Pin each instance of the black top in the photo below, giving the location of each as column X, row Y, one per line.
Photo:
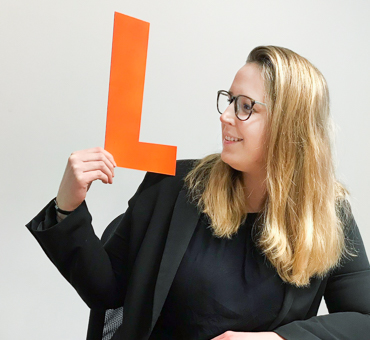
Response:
column 221, row 284
column 136, row 267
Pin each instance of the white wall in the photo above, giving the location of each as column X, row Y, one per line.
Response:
column 54, row 76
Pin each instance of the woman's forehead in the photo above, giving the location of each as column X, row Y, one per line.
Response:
column 249, row 82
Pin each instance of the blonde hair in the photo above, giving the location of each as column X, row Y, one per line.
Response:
column 300, row 231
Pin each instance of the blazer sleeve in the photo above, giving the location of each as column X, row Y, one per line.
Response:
column 96, row 271
column 347, row 296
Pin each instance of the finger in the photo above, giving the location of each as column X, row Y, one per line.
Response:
column 110, row 157
column 106, row 153
column 86, row 151
column 94, row 175
column 98, row 165
column 97, row 156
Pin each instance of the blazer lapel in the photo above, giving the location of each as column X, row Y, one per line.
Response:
column 290, row 292
column 184, row 220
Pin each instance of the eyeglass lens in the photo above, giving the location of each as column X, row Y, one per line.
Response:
column 243, row 105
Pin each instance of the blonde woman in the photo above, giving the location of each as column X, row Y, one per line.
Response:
column 238, row 245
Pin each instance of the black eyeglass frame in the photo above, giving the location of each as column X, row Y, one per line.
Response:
column 235, row 100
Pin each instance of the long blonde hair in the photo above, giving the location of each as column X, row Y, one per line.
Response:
column 300, row 231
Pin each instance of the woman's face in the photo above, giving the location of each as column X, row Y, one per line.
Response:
column 247, row 154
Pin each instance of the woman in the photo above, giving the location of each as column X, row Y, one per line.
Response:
column 241, row 245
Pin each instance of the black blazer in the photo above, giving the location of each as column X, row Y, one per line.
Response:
column 136, row 266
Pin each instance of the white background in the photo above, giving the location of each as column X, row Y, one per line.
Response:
column 54, row 76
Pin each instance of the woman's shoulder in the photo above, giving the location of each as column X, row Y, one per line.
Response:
column 183, row 166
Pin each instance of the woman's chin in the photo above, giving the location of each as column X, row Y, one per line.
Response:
column 224, row 157
column 228, row 159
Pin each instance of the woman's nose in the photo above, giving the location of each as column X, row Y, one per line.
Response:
column 228, row 116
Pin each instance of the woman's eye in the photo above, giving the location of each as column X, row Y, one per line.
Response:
column 247, row 107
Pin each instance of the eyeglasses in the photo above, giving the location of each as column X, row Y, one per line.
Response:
column 243, row 105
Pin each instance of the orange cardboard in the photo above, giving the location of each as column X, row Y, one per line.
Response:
column 125, row 101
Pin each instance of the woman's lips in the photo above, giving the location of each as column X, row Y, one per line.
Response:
column 231, row 140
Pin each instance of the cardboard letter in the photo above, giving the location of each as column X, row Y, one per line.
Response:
column 125, row 100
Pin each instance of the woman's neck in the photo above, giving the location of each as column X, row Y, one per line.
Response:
column 255, row 191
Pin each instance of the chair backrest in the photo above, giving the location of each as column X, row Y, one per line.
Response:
column 113, row 317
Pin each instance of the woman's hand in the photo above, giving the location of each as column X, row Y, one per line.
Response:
column 229, row 335
column 82, row 169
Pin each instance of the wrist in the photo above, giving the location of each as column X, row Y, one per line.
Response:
column 61, row 211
